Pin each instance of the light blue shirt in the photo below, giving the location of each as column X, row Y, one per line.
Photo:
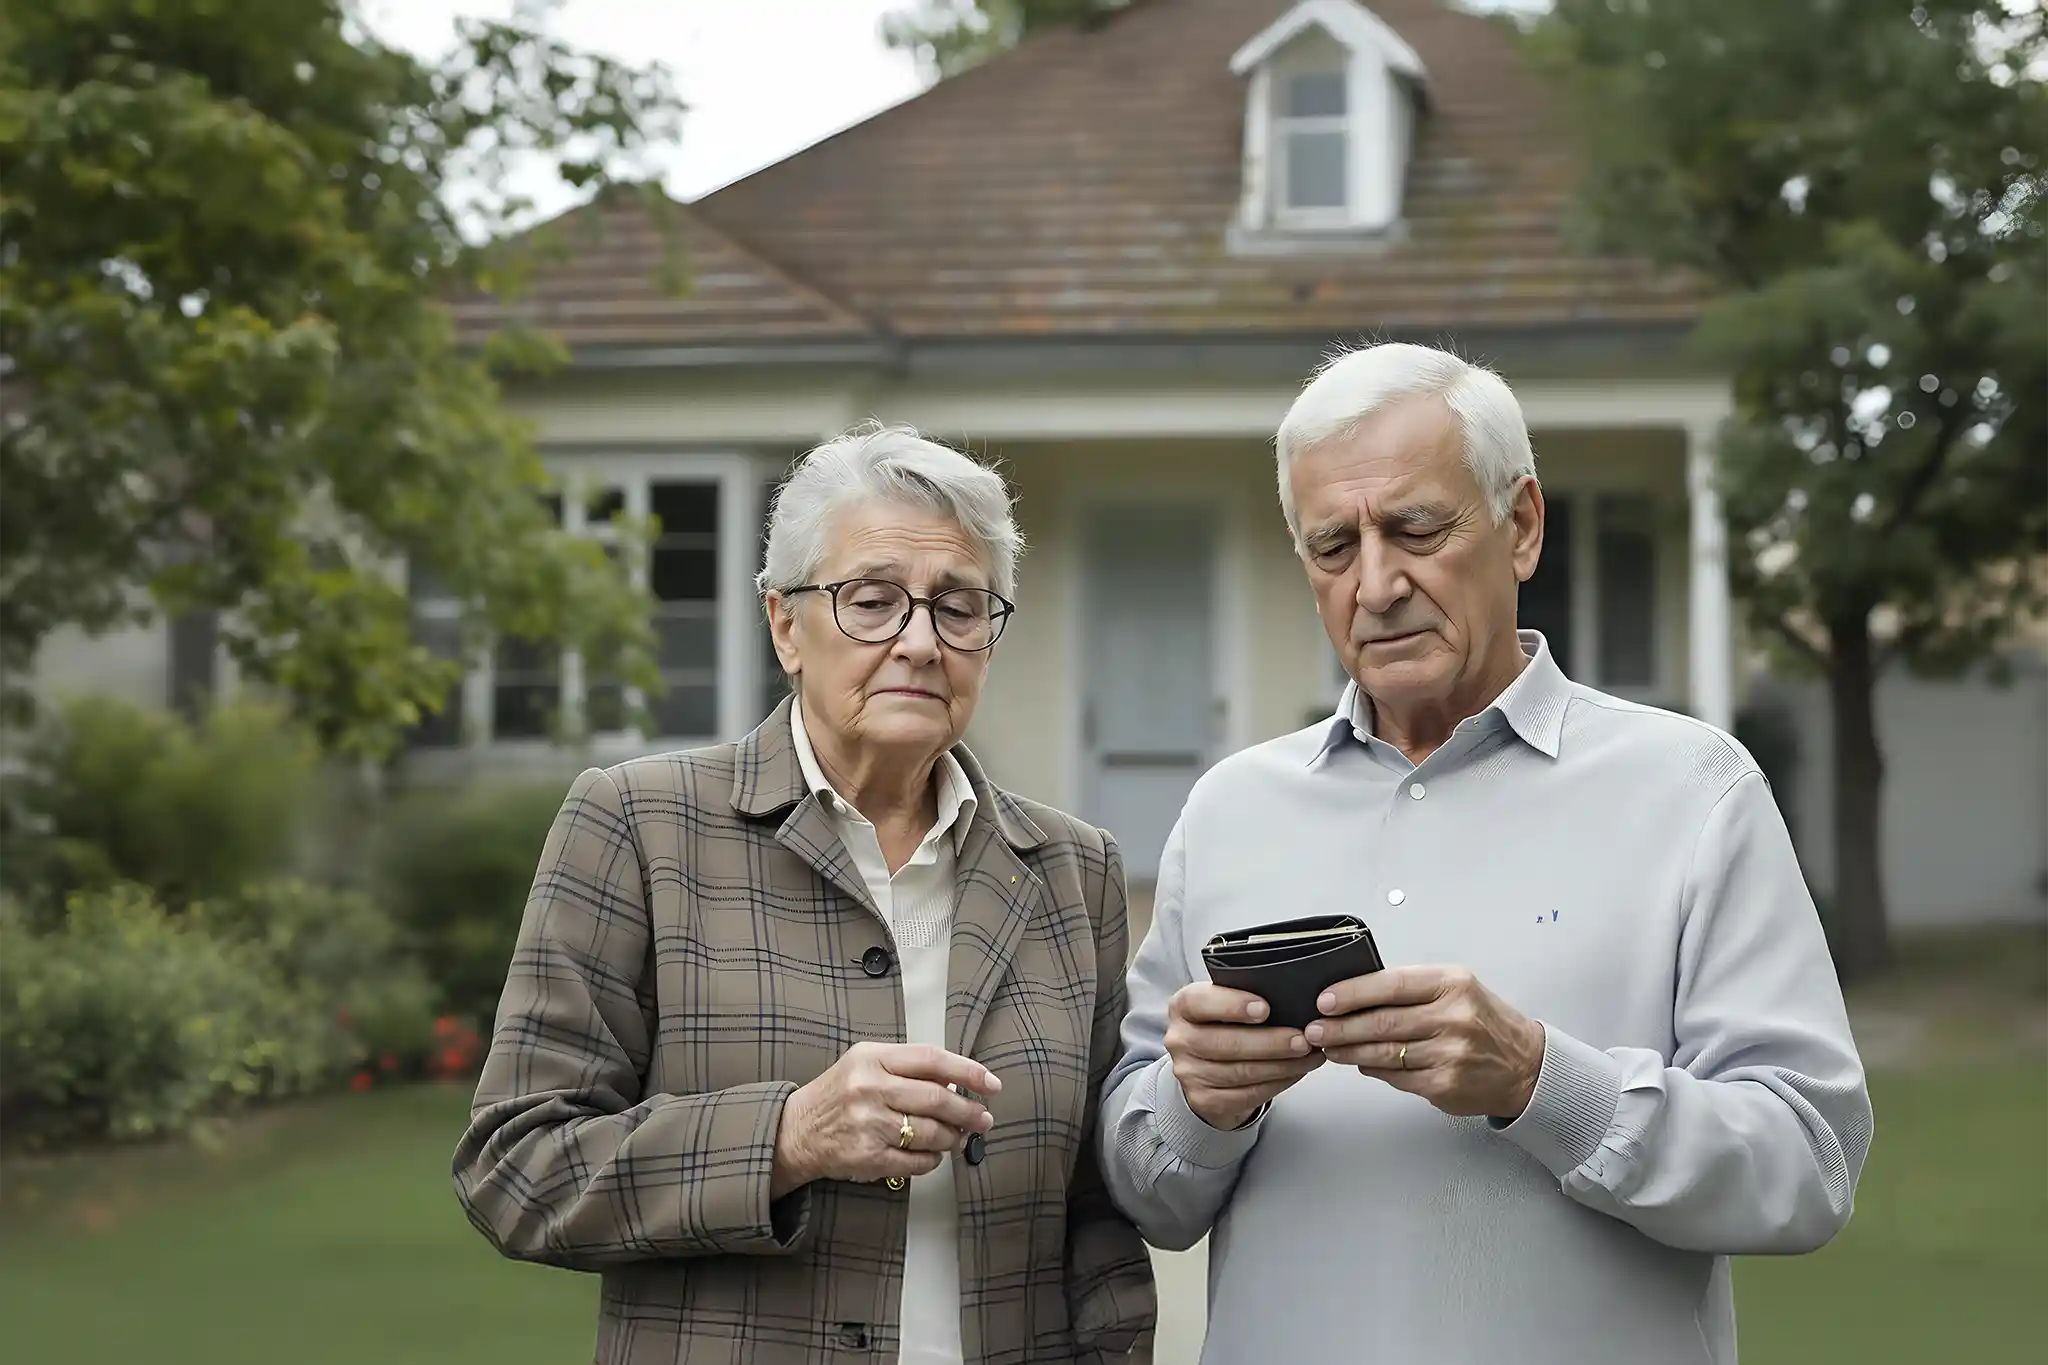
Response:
column 1620, row 874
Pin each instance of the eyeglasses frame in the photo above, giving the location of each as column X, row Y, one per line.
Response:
column 831, row 591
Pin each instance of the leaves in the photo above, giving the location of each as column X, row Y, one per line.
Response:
column 227, row 379
column 1861, row 184
column 949, row 36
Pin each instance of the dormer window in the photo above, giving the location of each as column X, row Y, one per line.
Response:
column 1330, row 114
column 1312, row 147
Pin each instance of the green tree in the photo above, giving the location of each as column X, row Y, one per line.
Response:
column 1859, row 184
column 948, row 36
column 228, row 380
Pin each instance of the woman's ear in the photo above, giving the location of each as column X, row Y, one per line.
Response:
column 782, row 632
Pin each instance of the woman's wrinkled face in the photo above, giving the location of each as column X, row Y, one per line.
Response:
column 912, row 695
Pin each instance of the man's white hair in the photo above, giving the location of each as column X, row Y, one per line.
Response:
column 874, row 463
column 1352, row 385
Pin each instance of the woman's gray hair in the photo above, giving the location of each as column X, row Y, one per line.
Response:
column 1353, row 385
column 887, row 464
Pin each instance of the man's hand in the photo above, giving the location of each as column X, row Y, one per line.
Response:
column 1227, row 1067
column 1467, row 1051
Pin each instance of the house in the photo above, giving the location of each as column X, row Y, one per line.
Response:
column 1110, row 258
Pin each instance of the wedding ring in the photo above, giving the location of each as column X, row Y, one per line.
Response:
column 1403, row 1058
column 906, row 1134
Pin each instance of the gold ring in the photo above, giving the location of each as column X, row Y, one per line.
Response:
column 1403, row 1058
column 906, row 1134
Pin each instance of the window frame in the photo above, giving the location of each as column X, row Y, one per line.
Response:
column 580, row 475
column 1282, row 125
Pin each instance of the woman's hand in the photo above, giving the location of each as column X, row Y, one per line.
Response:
column 848, row 1123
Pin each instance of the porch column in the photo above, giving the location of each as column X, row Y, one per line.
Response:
column 1710, row 647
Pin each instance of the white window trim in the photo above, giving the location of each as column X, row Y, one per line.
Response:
column 1286, row 213
column 1587, row 608
column 1384, row 78
column 578, row 476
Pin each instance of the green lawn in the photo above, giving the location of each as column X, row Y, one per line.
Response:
column 326, row 1234
column 1946, row 1258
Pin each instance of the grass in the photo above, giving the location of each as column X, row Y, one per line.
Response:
column 327, row 1234
column 323, row 1234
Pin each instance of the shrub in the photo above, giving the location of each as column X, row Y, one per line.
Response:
column 112, row 792
column 456, row 867
column 127, row 1022
column 342, row 954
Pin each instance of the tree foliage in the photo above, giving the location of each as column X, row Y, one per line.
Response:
column 949, row 36
column 1859, row 183
column 227, row 379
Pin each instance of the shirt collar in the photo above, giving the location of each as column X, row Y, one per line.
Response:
column 957, row 802
column 1533, row 705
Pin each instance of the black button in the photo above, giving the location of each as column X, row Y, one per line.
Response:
column 875, row 961
column 976, row 1149
column 853, row 1335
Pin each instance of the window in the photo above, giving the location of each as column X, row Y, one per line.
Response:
column 683, row 574
column 1594, row 592
column 1625, row 557
column 1546, row 599
column 1313, row 145
column 698, row 579
column 437, row 627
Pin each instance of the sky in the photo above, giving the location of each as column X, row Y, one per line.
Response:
column 763, row 78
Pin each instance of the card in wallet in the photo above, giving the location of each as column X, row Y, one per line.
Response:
column 1289, row 963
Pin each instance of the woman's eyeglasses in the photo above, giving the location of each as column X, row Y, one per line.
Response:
column 875, row 611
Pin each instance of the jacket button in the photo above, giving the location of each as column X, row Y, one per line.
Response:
column 875, row 961
column 976, row 1149
column 853, row 1335
column 897, row 1183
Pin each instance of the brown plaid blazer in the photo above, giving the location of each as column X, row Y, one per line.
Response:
column 690, row 953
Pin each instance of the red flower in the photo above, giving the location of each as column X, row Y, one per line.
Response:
column 388, row 1062
column 444, row 1027
column 362, row 1080
column 453, row 1060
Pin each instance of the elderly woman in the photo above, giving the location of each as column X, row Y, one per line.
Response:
column 802, row 1038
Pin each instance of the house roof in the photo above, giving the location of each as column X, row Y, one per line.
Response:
column 1084, row 186
column 1348, row 21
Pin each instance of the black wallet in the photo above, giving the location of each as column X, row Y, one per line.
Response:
column 1290, row 963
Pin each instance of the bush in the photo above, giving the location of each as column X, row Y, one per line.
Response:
column 112, row 792
column 342, row 954
column 128, row 1022
column 456, row 867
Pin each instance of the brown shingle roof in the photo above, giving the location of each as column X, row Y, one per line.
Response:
column 606, row 289
column 1085, row 184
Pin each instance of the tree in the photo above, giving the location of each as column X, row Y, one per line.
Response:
column 948, row 36
column 1859, row 185
column 227, row 377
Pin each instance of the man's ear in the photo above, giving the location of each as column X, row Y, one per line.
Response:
column 1527, row 517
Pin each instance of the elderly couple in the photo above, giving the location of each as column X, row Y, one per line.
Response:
column 820, row 1046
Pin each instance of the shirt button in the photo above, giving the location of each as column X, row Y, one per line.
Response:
column 1396, row 896
column 875, row 961
column 1415, row 790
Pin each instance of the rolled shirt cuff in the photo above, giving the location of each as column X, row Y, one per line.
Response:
column 1184, row 1132
column 1577, row 1094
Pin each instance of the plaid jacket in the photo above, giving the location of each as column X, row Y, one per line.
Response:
column 691, row 952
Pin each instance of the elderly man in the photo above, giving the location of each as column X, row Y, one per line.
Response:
column 1607, row 1050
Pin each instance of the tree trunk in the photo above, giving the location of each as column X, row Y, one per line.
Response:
column 1862, row 936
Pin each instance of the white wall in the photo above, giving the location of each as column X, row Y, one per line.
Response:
column 131, row 664
column 1965, row 794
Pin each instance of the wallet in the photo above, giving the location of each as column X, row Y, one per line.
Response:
column 1289, row 963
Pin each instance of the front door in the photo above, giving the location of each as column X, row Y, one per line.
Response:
column 1150, row 710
